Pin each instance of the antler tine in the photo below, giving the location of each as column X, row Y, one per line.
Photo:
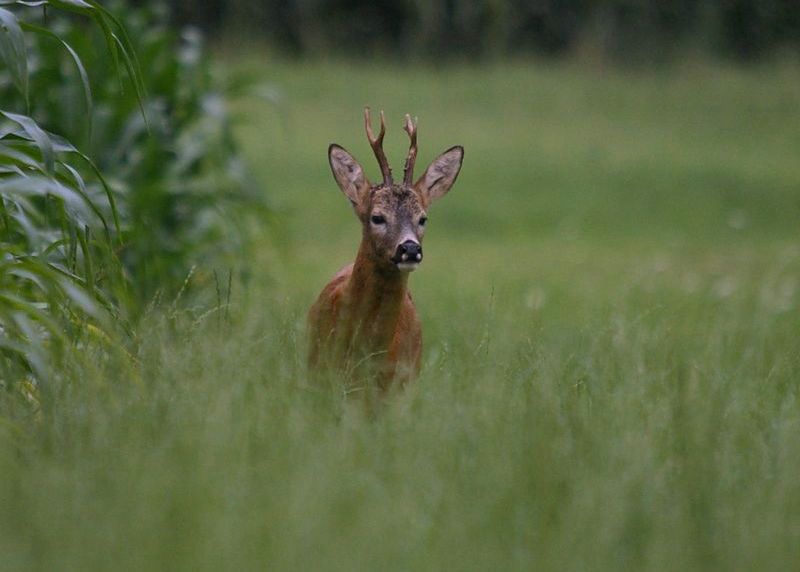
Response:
column 377, row 146
column 408, row 171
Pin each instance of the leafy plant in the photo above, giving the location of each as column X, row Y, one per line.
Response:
column 114, row 183
column 58, row 217
column 181, row 183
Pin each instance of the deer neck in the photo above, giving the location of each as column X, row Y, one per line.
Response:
column 376, row 295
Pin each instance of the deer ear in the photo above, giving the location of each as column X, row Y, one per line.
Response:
column 348, row 173
column 441, row 174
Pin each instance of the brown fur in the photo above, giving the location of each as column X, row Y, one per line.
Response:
column 364, row 323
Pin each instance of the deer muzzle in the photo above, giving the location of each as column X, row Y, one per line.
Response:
column 408, row 255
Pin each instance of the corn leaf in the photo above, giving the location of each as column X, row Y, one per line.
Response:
column 87, row 90
column 37, row 135
column 13, row 51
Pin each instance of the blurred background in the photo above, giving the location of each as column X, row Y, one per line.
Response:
column 609, row 297
column 621, row 30
column 607, row 143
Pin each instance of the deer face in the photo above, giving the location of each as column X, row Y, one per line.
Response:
column 394, row 225
column 393, row 215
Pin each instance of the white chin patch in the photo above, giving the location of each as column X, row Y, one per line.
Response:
column 407, row 266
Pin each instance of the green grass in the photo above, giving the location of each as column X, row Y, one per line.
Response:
column 610, row 302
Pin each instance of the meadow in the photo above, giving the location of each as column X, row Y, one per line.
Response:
column 610, row 302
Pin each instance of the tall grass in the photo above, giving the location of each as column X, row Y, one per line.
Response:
column 610, row 380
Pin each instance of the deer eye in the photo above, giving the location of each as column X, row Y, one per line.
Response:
column 378, row 219
column 423, row 220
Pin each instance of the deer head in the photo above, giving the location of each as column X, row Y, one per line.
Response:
column 394, row 215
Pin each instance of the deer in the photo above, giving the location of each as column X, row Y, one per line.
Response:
column 364, row 324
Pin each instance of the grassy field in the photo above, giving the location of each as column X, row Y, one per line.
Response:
column 611, row 309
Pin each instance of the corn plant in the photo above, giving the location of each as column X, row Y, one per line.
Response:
column 113, row 183
column 58, row 219
column 181, row 185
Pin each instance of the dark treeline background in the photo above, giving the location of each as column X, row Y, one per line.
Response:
column 628, row 30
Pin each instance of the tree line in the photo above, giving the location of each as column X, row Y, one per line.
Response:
column 618, row 29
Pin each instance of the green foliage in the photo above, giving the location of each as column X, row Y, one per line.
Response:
column 611, row 379
column 59, row 218
column 114, row 183
column 181, row 184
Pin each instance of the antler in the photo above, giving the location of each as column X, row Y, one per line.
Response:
column 377, row 147
column 408, row 171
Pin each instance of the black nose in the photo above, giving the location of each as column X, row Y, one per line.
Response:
column 409, row 251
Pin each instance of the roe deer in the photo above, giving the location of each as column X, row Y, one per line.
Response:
column 364, row 322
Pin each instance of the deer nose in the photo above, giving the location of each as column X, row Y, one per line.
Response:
column 409, row 251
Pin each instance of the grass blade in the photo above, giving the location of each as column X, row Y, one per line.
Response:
column 81, row 189
column 138, row 85
column 107, row 189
